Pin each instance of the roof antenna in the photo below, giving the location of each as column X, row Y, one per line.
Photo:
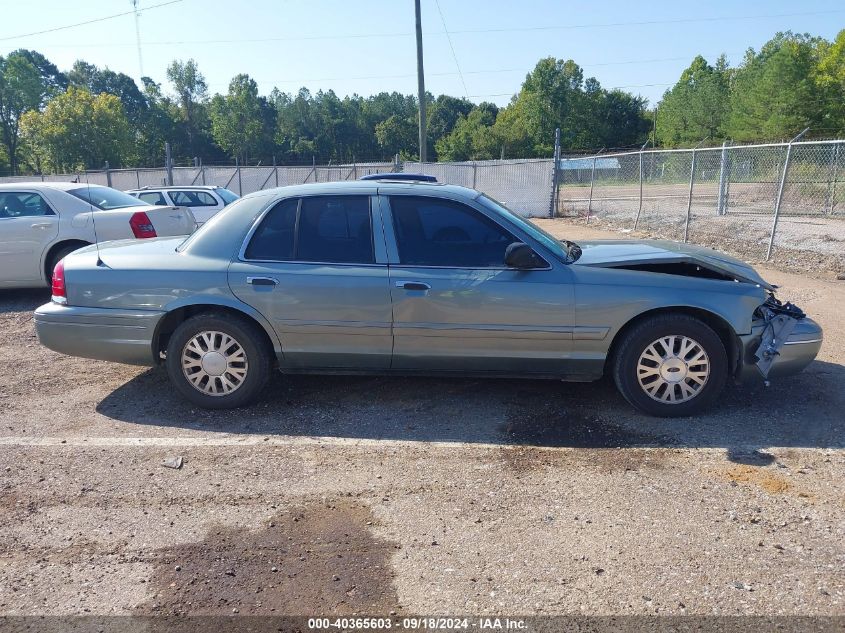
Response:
column 93, row 219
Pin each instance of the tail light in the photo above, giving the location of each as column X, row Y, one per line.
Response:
column 58, row 285
column 142, row 226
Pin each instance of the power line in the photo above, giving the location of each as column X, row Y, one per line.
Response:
column 94, row 21
column 449, row 39
column 592, row 25
column 408, row 34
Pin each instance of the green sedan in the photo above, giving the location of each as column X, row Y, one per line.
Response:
column 409, row 277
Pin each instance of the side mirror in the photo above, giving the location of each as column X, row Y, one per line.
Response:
column 522, row 257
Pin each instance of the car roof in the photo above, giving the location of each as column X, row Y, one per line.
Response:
column 36, row 184
column 370, row 187
column 168, row 187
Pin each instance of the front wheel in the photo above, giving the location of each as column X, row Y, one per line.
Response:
column 671, row 365
column 218, row 361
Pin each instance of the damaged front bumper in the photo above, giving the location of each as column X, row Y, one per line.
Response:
column 782, row 342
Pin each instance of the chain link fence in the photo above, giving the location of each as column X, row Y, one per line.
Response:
column 526, row 186
column 782, row 201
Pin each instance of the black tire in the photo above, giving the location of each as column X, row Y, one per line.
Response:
column 252, row 341
column 638, row 339
column 59, row 255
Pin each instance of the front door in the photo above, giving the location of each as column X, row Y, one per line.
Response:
column 27, row 227
column 456, row 306
column 317, row 271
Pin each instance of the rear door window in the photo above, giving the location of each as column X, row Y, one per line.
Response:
column 193, row 199
column 335, row 229
column 274, row 239
column 330, row 229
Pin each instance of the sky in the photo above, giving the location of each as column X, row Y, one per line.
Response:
column 472, row 48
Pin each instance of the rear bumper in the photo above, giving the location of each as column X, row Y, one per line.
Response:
column 120, row 336
column 800, row 349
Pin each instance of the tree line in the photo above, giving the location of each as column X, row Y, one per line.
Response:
column 83, row 118
column 794, row 81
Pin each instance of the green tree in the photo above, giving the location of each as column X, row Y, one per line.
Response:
column 237, row 121
column 471, row 137
column 774, row 93
column 696, row 106
column 398, row 135
column 191, row 95
column 97, row 80
column 443, row 114
column 27, row 79
column 77, row 130
column 831, row 80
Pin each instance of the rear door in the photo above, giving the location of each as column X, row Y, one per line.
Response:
column 201, row 203
column 28, row 225
column 317, row 270
column 456, row 305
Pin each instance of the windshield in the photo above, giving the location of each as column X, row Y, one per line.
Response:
column 565, row 249
column 106, row 198
column 228, row 196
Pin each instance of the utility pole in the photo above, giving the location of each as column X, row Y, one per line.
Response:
column 421, row 84
column 138, row 36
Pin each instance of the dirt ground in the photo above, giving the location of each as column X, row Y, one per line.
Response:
column 807, row 239
column 341, row 495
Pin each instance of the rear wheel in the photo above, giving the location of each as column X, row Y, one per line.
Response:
column 671, row 365
column 218, row 361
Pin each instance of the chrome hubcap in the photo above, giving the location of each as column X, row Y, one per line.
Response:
column 214, row 363
column 673, row 369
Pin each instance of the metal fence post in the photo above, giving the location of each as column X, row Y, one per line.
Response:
column 689, row 199
column 831, row 182
column 779, row 199
column 592, row 182
column 202, row 173
column 108, row 173
column 168, row 164
column 722, row 202
column 138, row 177
column 640, row 207
column 556, row 161
column 240, row 182
column 474, row 173
column 276, row 170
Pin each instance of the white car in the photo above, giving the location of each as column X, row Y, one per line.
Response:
column 204, row 201
column 41, row 222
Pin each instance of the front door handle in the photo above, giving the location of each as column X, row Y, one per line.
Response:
column 413, row 285
column 262, row 281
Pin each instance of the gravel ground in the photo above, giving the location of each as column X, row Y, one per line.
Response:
column 340, row 495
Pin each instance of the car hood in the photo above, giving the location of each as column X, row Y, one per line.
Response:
column 616, row 253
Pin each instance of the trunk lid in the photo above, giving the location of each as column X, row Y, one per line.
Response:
column 167, row 221
column 170, row 220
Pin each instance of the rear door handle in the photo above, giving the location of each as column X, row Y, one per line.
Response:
column 262, row 281
column 413, row 285
column 42, row 225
